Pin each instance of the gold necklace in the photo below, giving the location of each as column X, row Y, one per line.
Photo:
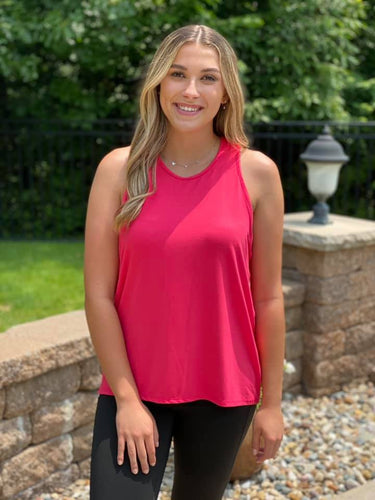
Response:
column 194, row 163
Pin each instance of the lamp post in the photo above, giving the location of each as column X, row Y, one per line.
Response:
column 324, row 158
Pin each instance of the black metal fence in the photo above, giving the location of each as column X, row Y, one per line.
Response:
column 46, row 169
column 285, row 141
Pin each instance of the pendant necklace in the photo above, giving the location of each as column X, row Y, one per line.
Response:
column 194, row 163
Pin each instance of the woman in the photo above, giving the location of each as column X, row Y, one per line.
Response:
column 183, row 251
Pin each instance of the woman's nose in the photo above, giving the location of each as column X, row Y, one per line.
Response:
column 191, row 89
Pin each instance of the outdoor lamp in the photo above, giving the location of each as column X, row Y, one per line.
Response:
column 324, row 158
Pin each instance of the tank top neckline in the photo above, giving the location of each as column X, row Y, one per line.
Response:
column 199, row 174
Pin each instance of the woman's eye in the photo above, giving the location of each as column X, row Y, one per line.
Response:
column 210, row 78
column 177, row 74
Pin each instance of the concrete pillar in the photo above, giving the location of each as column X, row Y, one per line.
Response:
column 336, row 263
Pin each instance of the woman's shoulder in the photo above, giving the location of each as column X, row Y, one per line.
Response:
column 258, row 163
column 111, row 171
column 115, row 160
column 260, row 174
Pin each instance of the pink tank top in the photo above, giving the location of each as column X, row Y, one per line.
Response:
column 183, row 294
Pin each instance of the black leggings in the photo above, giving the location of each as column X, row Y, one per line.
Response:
column 206, row 440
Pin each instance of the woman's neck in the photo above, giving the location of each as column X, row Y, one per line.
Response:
column 185, row 147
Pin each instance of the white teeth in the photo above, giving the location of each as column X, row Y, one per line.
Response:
column 187, row 108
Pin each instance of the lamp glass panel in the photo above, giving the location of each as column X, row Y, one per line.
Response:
column 323, row 179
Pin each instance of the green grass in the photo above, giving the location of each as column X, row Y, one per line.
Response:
column 39, row 279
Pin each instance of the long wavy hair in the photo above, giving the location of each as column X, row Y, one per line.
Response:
column 151, row 132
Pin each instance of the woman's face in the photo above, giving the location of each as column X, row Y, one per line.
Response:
column 193, row 90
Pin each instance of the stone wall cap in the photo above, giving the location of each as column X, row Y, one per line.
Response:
column 30, row 349
column 344, row 232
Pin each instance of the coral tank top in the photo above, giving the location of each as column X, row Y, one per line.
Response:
column 183, row 294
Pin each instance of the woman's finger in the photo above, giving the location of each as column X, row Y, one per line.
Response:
column 156, row 433
column 256, row 439
column 121, row 444
column 150, row 449
column 142, row 455
column 276, row 448
column 268, row 449
column 271, row 447
column 132, row 453
column 260, row 456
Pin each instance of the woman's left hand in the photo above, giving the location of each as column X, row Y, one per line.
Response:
column 268, row 429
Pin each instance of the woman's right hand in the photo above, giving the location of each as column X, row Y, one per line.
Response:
column 137, row 434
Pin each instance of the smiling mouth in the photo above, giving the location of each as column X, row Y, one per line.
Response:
column 188, row 108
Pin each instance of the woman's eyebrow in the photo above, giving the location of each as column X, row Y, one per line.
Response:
column 210, row 70
column 205, row 70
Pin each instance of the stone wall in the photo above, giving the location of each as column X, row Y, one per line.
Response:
column 49, row 378
column 48, row 390
column 294, row 294
column 336, row 263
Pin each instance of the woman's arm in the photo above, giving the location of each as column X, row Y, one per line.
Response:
column 100, row 270
column 135, row 427
column 263, row 181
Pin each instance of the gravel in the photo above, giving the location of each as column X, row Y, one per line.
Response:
column 327, row 449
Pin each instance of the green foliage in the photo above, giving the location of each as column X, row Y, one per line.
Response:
column 299, row 62
column 85, row 60
column 359, row 93
column 80, row 61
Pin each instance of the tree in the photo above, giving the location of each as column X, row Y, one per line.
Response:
column 85, row 60
column 359, row 93
column 297, row 65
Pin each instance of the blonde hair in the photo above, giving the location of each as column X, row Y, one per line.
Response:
column 151, row 132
